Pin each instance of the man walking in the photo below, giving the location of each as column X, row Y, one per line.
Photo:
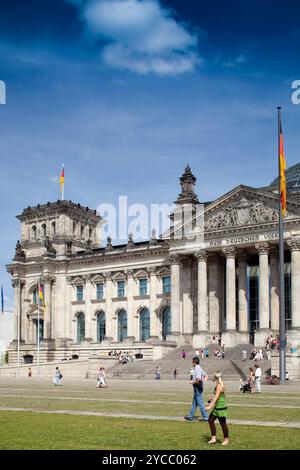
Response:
column 198, row 380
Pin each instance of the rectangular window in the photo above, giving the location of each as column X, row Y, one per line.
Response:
column 121, row 288
column 79, row 293
column 143, row 286
column 100, row 291
column 166, row 280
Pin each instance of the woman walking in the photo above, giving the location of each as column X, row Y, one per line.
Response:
column 57, row 377
column 219, row 410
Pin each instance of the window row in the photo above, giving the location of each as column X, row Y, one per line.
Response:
column 121, row 288
column 144, row 324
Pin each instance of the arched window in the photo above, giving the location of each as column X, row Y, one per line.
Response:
column 80, row 327
column 101, row 327
column 166, row 322
column 82, row 231
column 34, row 296
column 53, row 228
column 44, row 230
column 33, row 232
column 74, row 227
column 144, row 324
column 122, row 325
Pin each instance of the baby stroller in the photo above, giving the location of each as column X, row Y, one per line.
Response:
column 245, row 387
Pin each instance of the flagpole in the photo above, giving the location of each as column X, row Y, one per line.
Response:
column 18, row 332
column 38, row 332
column 282, row 359
column 63, row 186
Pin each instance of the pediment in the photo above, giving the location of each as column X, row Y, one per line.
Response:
column 246, row 207
column 163, row 271
column 141, row 273
column 243, row 207
column 98, row 278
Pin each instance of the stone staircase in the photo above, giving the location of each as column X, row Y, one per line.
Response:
column 232, row 367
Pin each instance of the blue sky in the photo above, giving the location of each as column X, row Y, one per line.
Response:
column 126, row 92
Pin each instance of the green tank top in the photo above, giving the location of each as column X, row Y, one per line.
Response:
column 220, row 409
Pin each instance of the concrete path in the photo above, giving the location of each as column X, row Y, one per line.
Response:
column 272, row 424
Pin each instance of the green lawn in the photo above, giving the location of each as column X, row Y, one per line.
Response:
column 34, row 430
column 37, row 431
column 158, row 409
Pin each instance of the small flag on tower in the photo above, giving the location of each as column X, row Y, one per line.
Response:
column 282, row 175
column 62, row 182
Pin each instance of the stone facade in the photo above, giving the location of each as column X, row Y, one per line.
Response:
column 171, row 290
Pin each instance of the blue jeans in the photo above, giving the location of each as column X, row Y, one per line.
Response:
column 198, row 401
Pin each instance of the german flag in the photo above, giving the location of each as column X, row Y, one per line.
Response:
column 62, row 180
column 41, row 296
column 282, row 163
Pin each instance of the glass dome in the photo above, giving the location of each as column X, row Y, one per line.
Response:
column 292, row 179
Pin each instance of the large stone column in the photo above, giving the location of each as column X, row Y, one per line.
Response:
column 153, row 300
column 264, row 295
column 274, row 286
column 187, row 303
column 294, row 334
column 130, row 307
column 175, row 295
column 230, row 337
column 16, row 284
column 47, row 281
column 242, row 297
column 213, row 296
column 201, row 337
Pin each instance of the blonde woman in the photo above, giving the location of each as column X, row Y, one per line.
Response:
column 218, row 409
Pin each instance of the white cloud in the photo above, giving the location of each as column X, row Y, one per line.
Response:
column 54, row 179
column 141, row 36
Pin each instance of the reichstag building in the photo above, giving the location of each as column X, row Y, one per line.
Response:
column 155, row 294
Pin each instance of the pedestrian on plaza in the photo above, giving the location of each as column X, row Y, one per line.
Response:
column 157, row 373
column 257, row 378
column 251, row 379
column 57, row 377
column 183, row 354
column 198, row 381
column 29, row 372
column 217, row 406
column 192, row 373
column 206, row 352
column 175, row 374
column 244, row 355
column 197, row 353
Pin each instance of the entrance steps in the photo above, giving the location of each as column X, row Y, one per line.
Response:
column 232, row 367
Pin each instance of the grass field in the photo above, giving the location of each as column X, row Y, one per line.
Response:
column 36, row 430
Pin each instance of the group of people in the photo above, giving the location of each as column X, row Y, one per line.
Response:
column 125, row 357
column 216, row 407
column 273, row 342
column 253, row 382
column 219, row 354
